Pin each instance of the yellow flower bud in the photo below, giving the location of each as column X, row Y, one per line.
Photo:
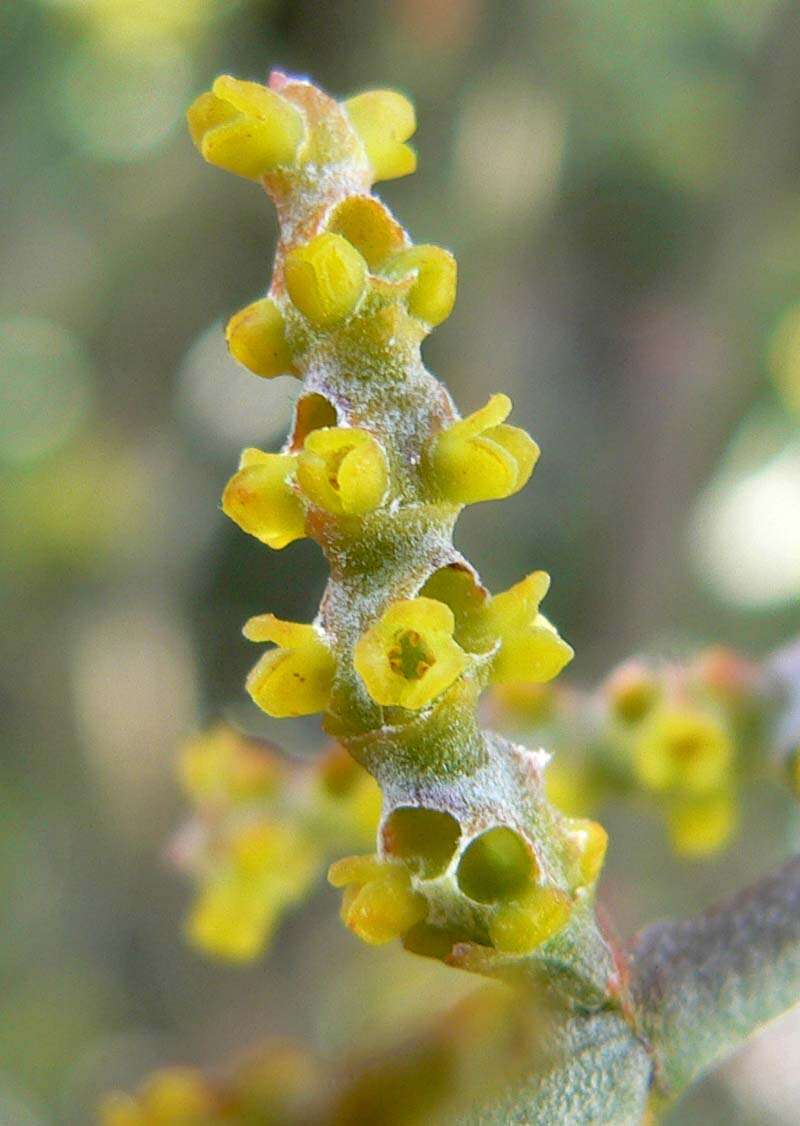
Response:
column 530, row 648
column 343, row 470
column 245, row 127
column 523, row 925
column 369, row 227
column 588, row 842
column 409, row 656
column 256, row 337
column 480, row 458
column 379, row 903
column 261, row 501
column 294, row 679
column 683, row 749
column 702, row 826
column 433, row 294
column 325, row 279
column 383, row 120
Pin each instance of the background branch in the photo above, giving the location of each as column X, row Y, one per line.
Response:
column 703, row 986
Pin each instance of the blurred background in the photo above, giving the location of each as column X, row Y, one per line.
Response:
column 620, row 181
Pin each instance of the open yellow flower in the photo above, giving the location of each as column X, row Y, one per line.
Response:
column 245, row 127
column 325, row 279
column 384, row 120
column 481, row 458
column 343, row 470
column 682, row 749
column 409, row 656
column 260, row 499
column 294, row 679
column 530, row 648
column 379, row 903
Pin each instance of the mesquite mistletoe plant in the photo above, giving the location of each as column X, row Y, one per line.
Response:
column 472, row 863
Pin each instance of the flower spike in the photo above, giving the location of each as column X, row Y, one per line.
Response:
column 469, row 852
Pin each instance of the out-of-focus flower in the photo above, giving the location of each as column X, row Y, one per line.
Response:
column 683, row 750
column 173, row 1097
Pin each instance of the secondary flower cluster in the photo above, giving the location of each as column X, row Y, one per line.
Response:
column 684, row 737
column 262, row 831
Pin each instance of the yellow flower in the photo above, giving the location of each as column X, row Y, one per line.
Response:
column 294, row 679
column 481, row 458
column 343, row 470
column 369, row 227
column 262, row 869
column 383, row 120
column 222, row 766
column 256, row 337
column 524, row 924
column 682, row 749
column 631, row 690
column 379, row 903
column 261, row 501
column 433, row 294
column 245, row 127
column 530, row 648
column 175, row 1096
column 409, row 656
column 325, row 279
column 704, row 825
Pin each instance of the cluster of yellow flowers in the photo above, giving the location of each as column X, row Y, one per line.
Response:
column 376, row 469
column 685, row 737
column 262, row 832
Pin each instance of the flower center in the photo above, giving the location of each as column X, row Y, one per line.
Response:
column 686, row 748
column 409, row 657
column 335, row 464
